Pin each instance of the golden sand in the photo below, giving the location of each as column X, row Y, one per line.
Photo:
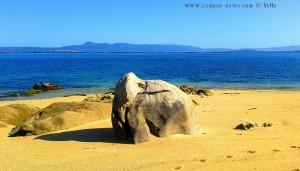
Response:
column 217, row 146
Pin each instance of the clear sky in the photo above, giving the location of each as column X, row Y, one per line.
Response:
column 54, row 23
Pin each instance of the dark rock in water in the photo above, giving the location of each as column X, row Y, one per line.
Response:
column 144, row 107
column 39, row 87
column 14, row 94
column 14, row 114
column 31, row 92
column 188, row 89
column 62, row 115
column 267, row 124
column 46, row 86
column 246, row 125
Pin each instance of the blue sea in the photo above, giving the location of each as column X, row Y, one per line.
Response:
column 99, row 72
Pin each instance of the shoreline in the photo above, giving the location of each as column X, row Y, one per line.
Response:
column 57, row 94
column 44, row 102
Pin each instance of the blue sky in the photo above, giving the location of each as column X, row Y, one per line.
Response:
column 54, row 23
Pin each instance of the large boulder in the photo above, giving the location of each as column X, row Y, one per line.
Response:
column 141, row 107
column 14, row 114
column 62, row 115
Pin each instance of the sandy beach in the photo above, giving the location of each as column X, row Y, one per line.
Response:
column 216, row 146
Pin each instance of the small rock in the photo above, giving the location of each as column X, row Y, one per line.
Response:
column 267, row 124
column 105, row 97
column 246, row 125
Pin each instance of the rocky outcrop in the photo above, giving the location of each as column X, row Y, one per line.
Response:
column 40, row 87
column 46, row 86
column 145, row 107
column 188, row 89
column 62, row 115
column 16, row 113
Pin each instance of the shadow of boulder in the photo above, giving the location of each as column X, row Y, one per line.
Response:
column 105, row 135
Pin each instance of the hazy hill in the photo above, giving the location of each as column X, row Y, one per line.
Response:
column 90, row 47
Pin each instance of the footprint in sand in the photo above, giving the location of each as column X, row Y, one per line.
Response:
column 251, row 152
column 200, row 160
column 177, row 167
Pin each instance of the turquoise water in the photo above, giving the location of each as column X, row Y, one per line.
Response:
column 94, row 73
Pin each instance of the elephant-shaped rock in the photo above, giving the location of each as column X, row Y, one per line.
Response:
column 145, row 107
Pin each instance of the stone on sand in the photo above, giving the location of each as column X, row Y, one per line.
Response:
column 267, row 124
column 246, row 125
column 14, row 114
column 61, row 115
column 145, row 107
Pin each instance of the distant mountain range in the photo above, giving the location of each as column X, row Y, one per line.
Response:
column 90, row 47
